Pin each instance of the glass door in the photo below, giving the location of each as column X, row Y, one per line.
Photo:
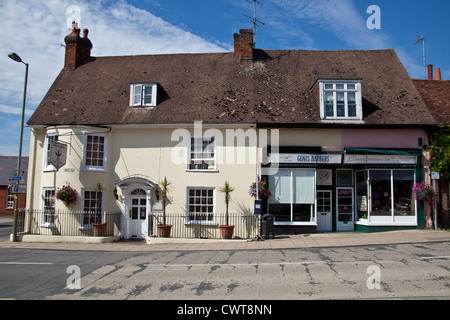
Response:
column 324, row 211
column 138, row 214
column 344, row 209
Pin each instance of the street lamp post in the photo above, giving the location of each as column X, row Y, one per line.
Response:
column 16, row 58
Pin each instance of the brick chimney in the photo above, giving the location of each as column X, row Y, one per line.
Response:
column 78, row 49
column 430, row 72
column 243, row 44
column 438, row 74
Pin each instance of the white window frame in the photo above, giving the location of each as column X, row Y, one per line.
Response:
column 49, row 137
column 9, row 199
column 48, row 210
column 84, row 209
column 105, row 152
column 292, row 193
column 137, row 94
column 188, row 204
column 323, row 84
column 202, row 163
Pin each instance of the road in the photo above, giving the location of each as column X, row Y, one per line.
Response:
column 405, row 271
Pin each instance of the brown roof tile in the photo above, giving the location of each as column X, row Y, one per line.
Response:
column 217, row 88
column 436, row 94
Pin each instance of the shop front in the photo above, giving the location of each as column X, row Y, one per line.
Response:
column 345, row 191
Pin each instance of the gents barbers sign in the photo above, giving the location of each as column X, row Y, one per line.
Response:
column 305, row 158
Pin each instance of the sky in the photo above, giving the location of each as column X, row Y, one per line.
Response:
column 35, row 30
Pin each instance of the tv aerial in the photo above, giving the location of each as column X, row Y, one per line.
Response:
column 422, row 39
column 255, row 21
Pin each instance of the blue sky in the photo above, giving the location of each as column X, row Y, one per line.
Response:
column 35, row 30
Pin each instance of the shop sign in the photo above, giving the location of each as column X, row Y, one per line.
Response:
column 305, row 158
column 379, row 159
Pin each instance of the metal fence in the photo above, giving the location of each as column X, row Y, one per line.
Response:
column 205, row 225
column 68, row 223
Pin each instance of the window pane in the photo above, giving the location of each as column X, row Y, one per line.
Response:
column 351, row 87
column 340, row 104
column 380, row 183
column 351, row 104
column 281, row 212
column 329, row 86
column 339, row 87
column 137, row 95
column 302, row 213
column 361, row 194
column 281, row 186
column 305, row 186
column 148, row 95
column 329, row 104
column 403, row 183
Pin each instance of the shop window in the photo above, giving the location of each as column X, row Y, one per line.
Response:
column 385, row 196
column 293, row 196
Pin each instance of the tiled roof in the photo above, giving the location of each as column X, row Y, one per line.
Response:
column 436, row 94
column 217, row 88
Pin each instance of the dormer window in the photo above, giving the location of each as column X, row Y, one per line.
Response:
column 143, row 95
column 340, row 100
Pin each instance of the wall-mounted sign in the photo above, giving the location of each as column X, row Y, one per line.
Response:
column 58, row 154
column 305, row 158
column 324, row 177
column 379, row 159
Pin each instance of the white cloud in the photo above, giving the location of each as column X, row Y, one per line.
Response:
column 14, row 110
column 338, row 17
column 35, row 30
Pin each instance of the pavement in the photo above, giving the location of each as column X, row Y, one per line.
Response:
column 297, row 241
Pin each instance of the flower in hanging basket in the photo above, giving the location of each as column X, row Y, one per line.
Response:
column 422, row 191
column 67, row 194
column 262, row 187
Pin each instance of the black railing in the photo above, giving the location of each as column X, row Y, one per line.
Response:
column 68, row 223
column 205, row 225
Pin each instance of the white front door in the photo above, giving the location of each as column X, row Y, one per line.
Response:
column 345, row 209
column 324, row 211
column 138, row 222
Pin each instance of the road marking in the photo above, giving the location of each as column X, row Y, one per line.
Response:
column 256, row 264
column 431, row 258
column 26, row 263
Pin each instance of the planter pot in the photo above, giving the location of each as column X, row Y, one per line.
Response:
column 164, row 230
column 99, row 229
column 227, row 232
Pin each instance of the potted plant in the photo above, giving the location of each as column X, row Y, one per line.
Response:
column 67, row 194
column 164, row 229
column 227, row 229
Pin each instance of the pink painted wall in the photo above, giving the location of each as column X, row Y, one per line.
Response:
column 382, row 138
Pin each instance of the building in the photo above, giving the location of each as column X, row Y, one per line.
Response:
column 436, row 94
column 8, row 166
column 337, row 135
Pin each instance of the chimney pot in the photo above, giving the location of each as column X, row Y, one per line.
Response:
column 438, row 74
column 430, row 72
column 78, row 50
